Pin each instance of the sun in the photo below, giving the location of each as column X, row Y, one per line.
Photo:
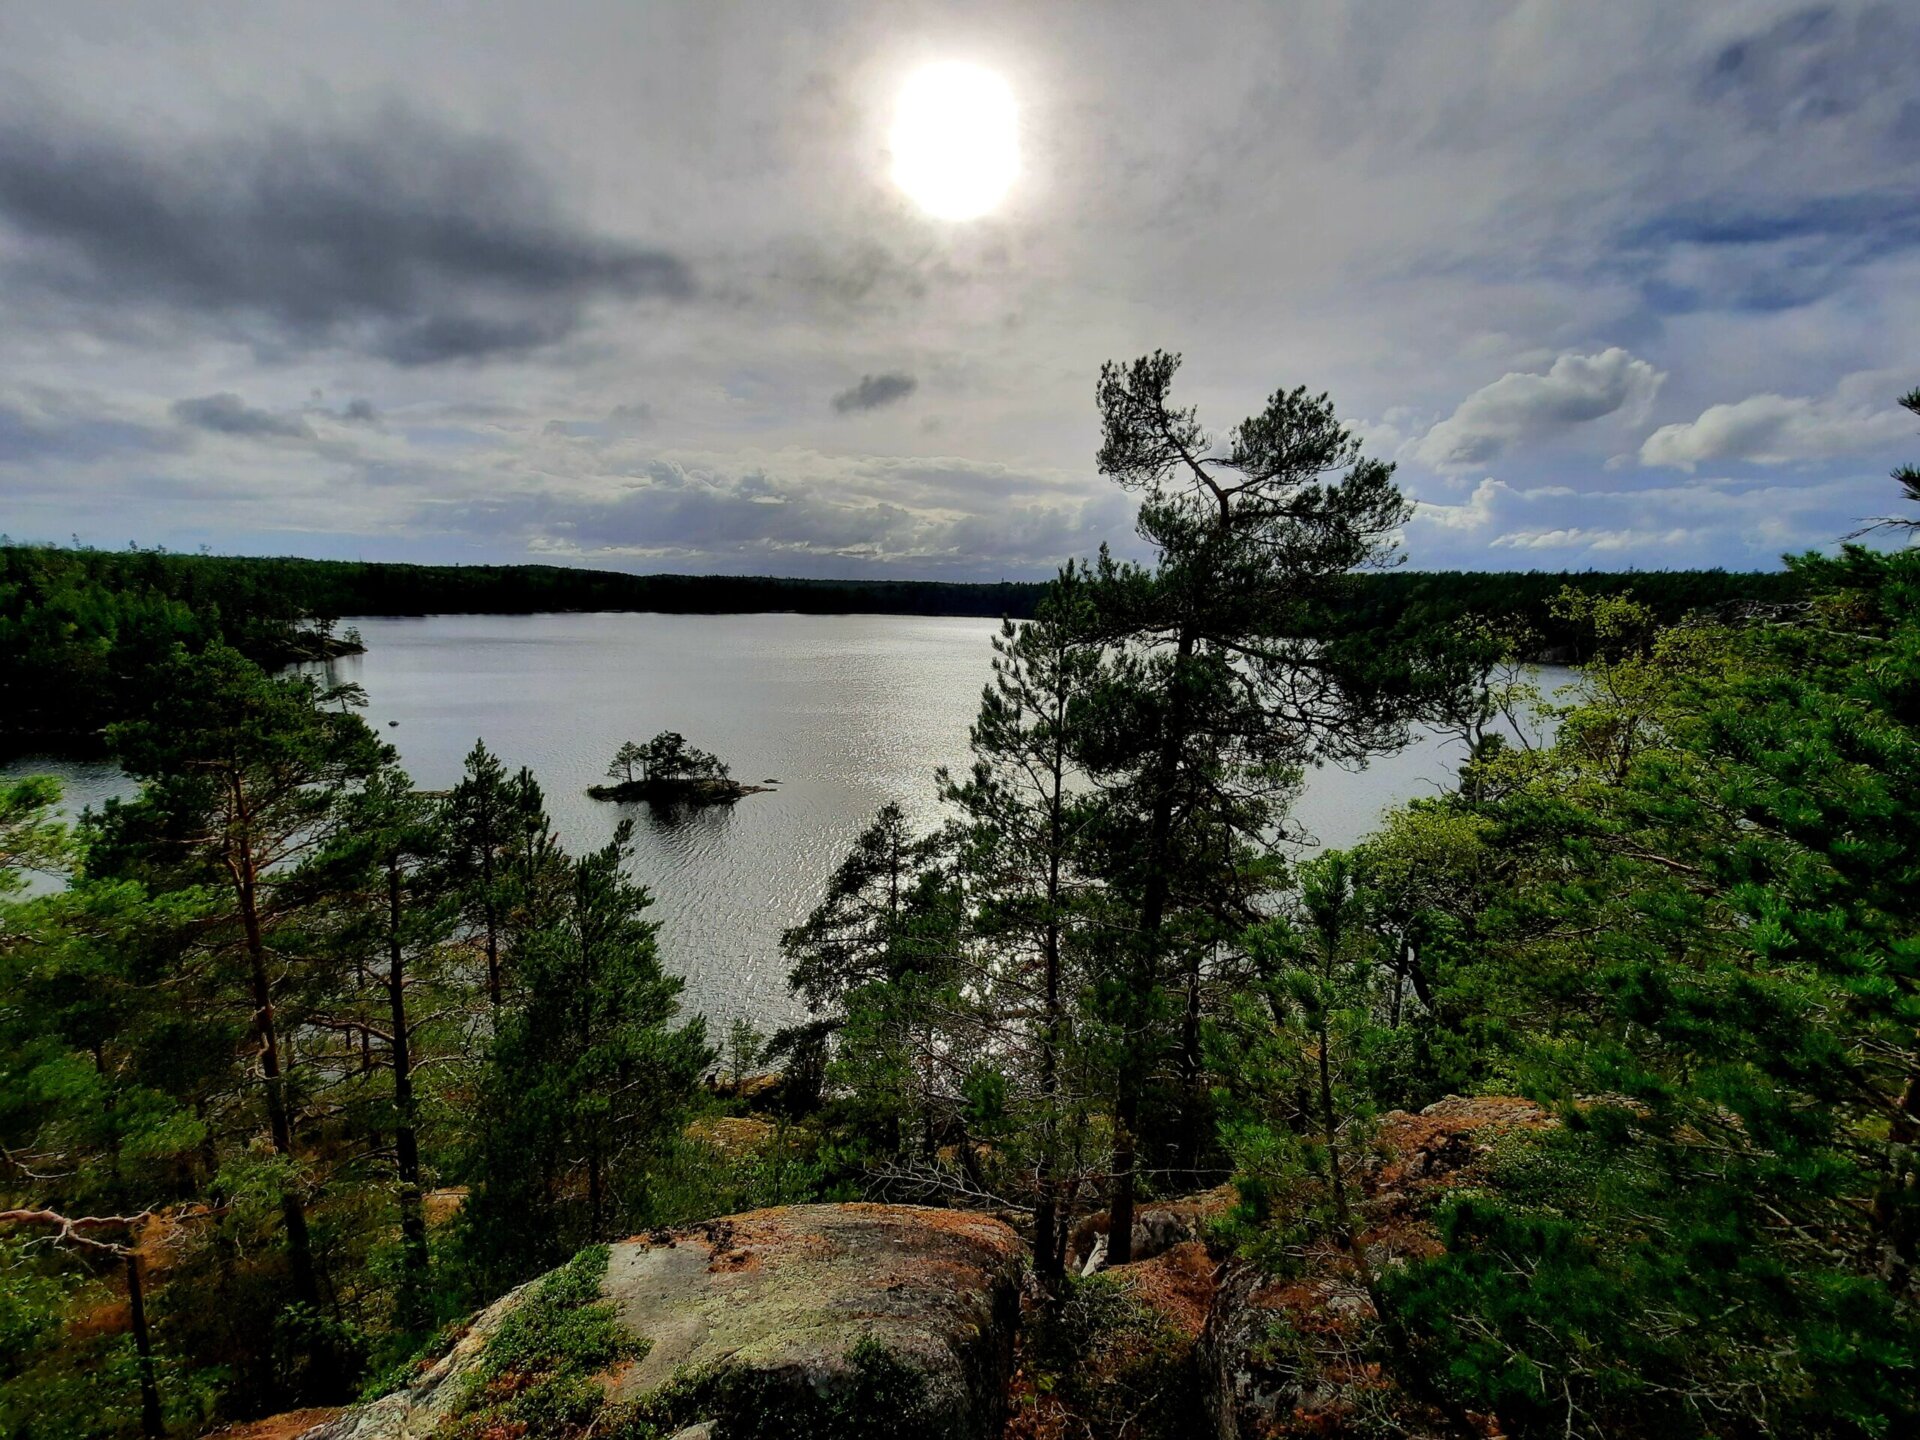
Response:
column 954, row 147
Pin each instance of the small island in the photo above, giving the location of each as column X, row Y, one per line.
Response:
column 668, row 771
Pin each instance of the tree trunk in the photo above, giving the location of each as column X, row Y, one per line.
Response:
column 1891, row 1216
column 306, row 1287
column 1137, row 1049
column 1046, row 1249
column 489, row 906
column 1193, row 1087
column 153, row 1424
column 406, row 1143
column 593, row 1191
column 1349, row 1236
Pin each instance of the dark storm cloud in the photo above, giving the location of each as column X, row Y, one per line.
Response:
column 227, row 414
column 1732, row 256
column 397, row 237
column 873, row 391
column 34, row 434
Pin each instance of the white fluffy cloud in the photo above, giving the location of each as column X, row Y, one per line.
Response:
column 1581, row 538
column 1752, row 521
column 1519, row 406
column 1475, row 514
column 1776, row 430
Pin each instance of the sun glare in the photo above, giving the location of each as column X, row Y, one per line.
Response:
column 954, row 148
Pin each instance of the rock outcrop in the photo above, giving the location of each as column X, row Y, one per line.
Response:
column 824, row 1320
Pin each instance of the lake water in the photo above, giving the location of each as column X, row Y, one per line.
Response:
column 845, row 712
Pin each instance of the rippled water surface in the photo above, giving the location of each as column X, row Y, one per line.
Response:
column 845, row 712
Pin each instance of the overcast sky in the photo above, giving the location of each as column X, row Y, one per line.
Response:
column 629, row 284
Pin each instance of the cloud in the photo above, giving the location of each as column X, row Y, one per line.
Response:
column 799, row 512
column 227, row 414
column 1776, row 430
column 45, row 427
column 1579, row 538
column 1492, row 192
column 873, row 391
column 394, row 237
column 1475, row 514
column 1521, row 407
column 1816, row 64
column 360, row 412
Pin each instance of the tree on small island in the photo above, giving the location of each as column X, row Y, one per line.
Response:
column 667, row 768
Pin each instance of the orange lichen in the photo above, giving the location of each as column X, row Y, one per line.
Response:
column 730, row 1262
column 1177, row 1286
column 285, row 1426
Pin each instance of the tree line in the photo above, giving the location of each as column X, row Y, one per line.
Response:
column 79, row 627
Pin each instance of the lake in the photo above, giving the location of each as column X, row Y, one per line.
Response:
column 844, row 712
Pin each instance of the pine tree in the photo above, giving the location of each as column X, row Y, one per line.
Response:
column 1218, row 695
column 1028, row 891
column 481, row 822
column 243, row 781
column 408, row 1002
column 877, row 958
column 586, row 1078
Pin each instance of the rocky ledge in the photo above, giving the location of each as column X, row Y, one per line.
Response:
column 823, row 1321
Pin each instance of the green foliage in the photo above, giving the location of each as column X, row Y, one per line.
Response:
column 252, row 1011
column 1294, row 1053
column 746, row 1047
column 583, row 1078
column 535, row 1374
column 64, row 1374
column 668, row 757
column 1692, row 927
column 688, row 1180
column 29, row 838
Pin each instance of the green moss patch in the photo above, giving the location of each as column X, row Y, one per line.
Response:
column 537, row 1373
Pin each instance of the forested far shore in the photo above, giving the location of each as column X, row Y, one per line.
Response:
column 80, row 627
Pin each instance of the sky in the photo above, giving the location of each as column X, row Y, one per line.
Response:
column 632, row 285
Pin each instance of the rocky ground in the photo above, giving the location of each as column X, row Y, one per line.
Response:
column 840, row 1321
column 834, row 1312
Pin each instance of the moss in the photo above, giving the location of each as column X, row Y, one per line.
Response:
column 884, row 1396
column 536, row 1373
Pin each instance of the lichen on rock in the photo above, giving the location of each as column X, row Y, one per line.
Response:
column 814, row 1322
